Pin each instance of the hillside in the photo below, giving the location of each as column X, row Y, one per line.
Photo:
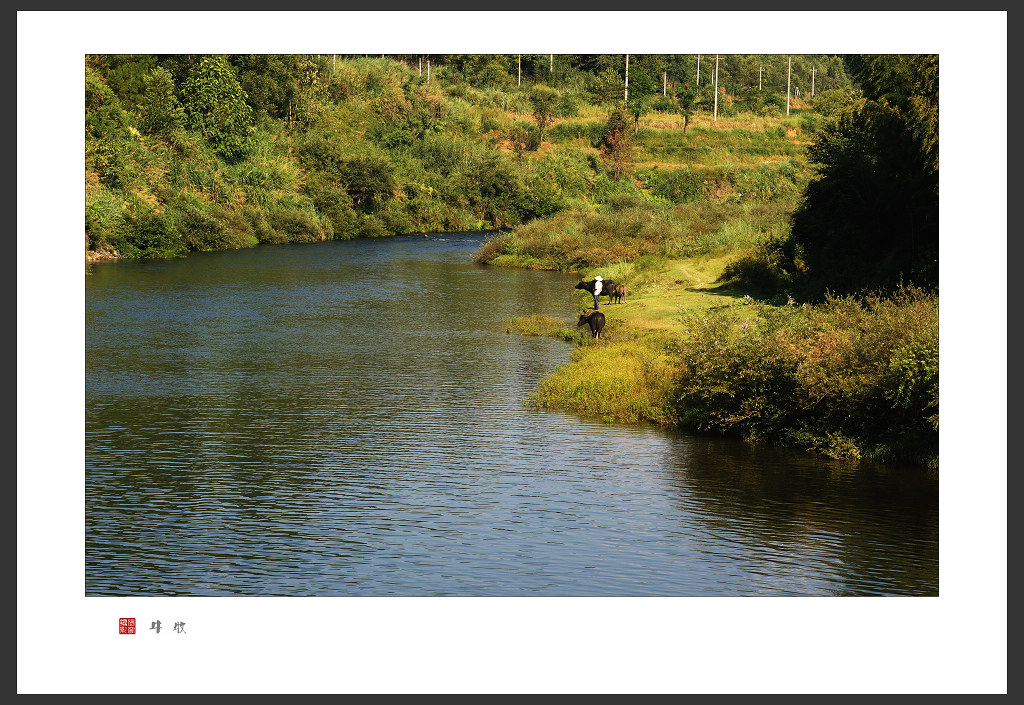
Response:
column 200, row 153
column 733, row 218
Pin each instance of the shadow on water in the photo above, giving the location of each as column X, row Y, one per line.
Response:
column 871, row 529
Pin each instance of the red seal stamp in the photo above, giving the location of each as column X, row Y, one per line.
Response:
column 126, row 625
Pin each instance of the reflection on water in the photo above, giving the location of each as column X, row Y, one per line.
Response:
column 347, row 419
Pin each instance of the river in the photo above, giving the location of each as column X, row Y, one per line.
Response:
column 347, row 419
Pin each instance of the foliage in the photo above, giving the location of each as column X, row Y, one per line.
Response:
column 125, row 74
column 270, row 83
column 147, row 235
column 617, row 142
column 853, row 377
column 104, row 115
column 215, row 107
column 369, row 180
column 278, row 148
column 545, row 102
column 161, row 112
column 523, row 137
column 641, row 88
column 870, row 217
column 769, row 267
column 833, row 103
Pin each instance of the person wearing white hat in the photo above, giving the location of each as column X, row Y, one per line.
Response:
column 598, row 284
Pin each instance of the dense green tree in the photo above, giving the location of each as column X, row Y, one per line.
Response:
column 160, row 110
column 641, row 94
column 215, row 107
column 617, row 141
column 125, row 74
column 870, row 217
column 607, row 86
column 105, row 117
column 270, row 82
column 484, row 70
column 369, row 180
column 544, row 100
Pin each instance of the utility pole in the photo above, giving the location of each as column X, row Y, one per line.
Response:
column 520, row 83
column 812, row 81
column 716, row 87
column 664, row 83
column 698, row 70
column 788, row 74
column 551, row 65
column 759, row 69
column 421, row 66
column 428, row 70
column 626, row 98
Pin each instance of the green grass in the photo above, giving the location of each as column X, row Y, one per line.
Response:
column 614, row 380
column 853, row 378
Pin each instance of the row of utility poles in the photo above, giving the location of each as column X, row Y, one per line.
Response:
column 664, row 84
column 551, row 68
column 664, row 77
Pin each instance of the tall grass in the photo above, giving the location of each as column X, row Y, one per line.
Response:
column 622, row 380
column 631, row 227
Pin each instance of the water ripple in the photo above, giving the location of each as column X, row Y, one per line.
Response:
column 347, row 419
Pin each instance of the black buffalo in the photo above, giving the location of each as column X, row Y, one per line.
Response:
column 594, row 319
column 606, row 287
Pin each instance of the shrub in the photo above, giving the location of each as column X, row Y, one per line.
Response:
column 853, row 377
column 663, row 103
column 333, row 202
column 523, row 136
column 208, row 227
column 297, row 225
column 766, row 269
column 215, row 106
column 145, row 234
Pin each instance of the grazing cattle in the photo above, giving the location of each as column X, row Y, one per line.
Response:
column 617, row 293
column 594, row 319
column 606, row 287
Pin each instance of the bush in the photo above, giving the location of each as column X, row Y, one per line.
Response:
column 212, row 227
column 767, row 269
column 297, row 225
column 689, row 185
column 333, row 203
column 145, row 235
column 664, row 103
column 523, row 136
column 853, row 377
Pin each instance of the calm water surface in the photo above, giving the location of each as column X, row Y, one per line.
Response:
column 347, row 419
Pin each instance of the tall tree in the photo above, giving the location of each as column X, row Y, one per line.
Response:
column 545, row 104
column 617, row 142
column 215, row 107
column 160, row 110
column 641, row 91
column 870, row 218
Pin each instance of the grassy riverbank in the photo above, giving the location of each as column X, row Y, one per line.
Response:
column 853, row 377
column 723, row 222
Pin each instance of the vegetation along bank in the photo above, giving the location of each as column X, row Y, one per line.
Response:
column 780, row 249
